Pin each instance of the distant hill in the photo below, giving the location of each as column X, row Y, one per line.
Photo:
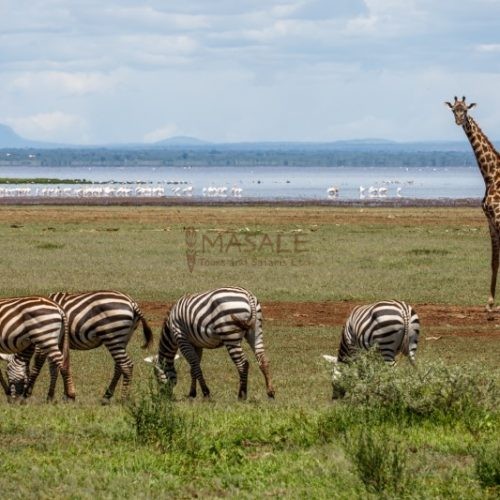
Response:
column 182, row 141
column 11, row 140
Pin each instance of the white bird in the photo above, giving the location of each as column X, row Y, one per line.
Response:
column 382, row 192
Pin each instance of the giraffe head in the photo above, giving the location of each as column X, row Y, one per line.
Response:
column 460, row 109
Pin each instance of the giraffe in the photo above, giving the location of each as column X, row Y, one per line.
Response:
column 488, row 160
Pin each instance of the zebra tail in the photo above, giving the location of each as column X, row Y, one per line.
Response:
column 146, row 329
column 244, row 325
column 253, row 308
column 65, row 349
column 148, row 334
column 405, row 344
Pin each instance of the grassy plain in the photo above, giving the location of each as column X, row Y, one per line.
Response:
column 301, row 445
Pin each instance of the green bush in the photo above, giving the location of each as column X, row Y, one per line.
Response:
column 487, row 465
column 429, row 389
column 157, row 421
column 380, row 461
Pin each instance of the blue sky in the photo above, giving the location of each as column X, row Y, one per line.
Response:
column 111, row 71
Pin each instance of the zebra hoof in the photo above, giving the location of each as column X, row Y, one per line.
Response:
column 105, row 401
column 69, row 399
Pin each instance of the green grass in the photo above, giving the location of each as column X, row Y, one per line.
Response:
column 300, row 445
column 444, row 262
column 42, row 180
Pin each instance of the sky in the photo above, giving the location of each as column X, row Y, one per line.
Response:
column 120, row 71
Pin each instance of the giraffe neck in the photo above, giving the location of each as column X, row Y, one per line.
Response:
column 488, row 159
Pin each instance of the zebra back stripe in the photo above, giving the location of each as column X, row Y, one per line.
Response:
column 392, row 325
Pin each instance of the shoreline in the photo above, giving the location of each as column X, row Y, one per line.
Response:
column 171, row 201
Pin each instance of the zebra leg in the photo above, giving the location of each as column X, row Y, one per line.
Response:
column 123, row 366
column 256, row 344
column 56, row 358
column 54, row 371
column 193, row 357
column 111, row 388
column 242, row 365
column 264, row 368
column 38, row 363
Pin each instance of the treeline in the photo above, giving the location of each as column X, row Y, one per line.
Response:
column 243, row 158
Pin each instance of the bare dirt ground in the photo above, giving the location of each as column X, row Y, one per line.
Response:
column 308, row 215
column 444, row 320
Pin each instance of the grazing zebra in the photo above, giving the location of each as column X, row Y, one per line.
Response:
column 393, row 326
column 94, row 318
column 220, row 317
column 29, row 323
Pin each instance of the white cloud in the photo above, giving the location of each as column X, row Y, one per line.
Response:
column 53, row 126
column 75, row 84
column 488, row 47
column 248, row 70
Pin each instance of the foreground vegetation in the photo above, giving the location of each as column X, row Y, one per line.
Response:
column 440, row 442
column 432, row 432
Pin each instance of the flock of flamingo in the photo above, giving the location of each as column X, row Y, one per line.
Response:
column 117, row 190
column 113, row 189
column 368, row 192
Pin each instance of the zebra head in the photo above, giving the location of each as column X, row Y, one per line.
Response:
column 163, row 376
column 338, row 391
column 17, row 374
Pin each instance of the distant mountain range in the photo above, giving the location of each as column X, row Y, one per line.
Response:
column 10, row 140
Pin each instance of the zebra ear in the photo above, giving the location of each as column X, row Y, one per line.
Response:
column 330, row 359
column 152, row 360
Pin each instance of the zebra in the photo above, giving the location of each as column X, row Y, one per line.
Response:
column 391, row 325
column 95, row 318
column 34, row 323
column 216, row 318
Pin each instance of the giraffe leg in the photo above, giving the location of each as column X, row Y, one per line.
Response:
column 495, row 250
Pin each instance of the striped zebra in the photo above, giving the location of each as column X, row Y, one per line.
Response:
column 34, row 323
column 96, row 318
column 393, row 326
column 220, row 317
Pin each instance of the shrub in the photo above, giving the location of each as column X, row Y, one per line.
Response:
column 487, row 466
column 380, row 461
column 157, row 420
column 428, row 389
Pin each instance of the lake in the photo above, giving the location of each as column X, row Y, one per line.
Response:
column 295, row 183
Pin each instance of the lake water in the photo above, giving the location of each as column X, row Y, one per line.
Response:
column 295, row 183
